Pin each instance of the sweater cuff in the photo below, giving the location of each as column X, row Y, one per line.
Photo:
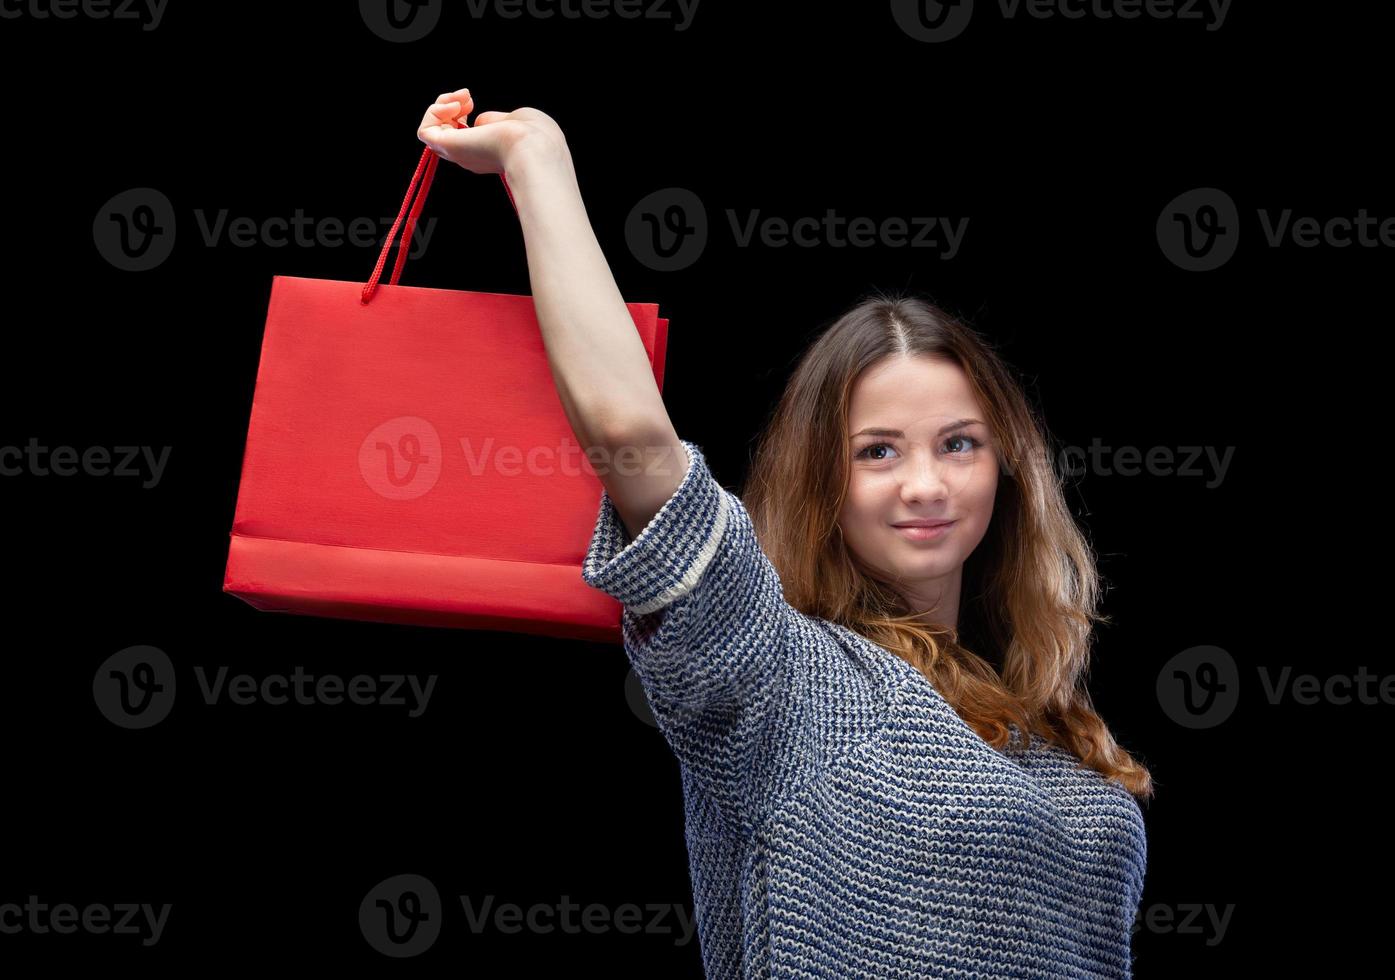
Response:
column 669, row 557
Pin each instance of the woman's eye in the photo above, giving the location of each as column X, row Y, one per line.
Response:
column 973, row 444
column 875, row 445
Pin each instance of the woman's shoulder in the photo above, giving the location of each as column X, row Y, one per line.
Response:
column 841, row 663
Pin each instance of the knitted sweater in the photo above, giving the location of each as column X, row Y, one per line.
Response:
column 842, row 820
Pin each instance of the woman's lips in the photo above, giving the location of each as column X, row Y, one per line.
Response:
column 912, row 533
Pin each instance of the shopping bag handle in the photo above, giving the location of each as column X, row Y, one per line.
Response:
column 426, row 170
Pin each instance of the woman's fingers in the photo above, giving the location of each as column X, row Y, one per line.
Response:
column 461, row 95
column 441, row 114
column 438, row 126
column 444, row 130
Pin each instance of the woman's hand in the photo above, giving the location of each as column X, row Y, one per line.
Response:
column 493, row 142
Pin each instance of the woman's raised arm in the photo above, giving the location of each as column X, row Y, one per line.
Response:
column 707, row 628
column 603, row 375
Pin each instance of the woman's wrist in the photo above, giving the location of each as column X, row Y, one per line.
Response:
column 538, row 158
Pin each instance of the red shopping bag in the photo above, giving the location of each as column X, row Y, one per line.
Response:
column 408, row 459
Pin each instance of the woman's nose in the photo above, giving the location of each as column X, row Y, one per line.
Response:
column 923, row 478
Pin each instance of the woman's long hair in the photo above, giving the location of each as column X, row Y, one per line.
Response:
column 1030, row 588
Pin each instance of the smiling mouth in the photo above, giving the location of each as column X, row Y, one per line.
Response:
column 921, row 533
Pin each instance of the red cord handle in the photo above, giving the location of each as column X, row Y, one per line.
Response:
column 426, row 170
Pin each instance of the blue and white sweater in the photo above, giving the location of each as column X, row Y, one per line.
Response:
column 842, row 820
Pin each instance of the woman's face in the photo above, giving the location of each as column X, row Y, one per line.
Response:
column 924, row 462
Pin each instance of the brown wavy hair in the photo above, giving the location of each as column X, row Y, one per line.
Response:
column 1030, row 589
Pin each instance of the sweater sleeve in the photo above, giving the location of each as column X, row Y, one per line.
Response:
column 706, row 628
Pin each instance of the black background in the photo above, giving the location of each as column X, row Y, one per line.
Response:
column 530, row 778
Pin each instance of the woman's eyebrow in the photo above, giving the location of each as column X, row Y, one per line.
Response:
column 898, row 434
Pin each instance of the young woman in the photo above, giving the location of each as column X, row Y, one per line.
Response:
column 891, row 766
